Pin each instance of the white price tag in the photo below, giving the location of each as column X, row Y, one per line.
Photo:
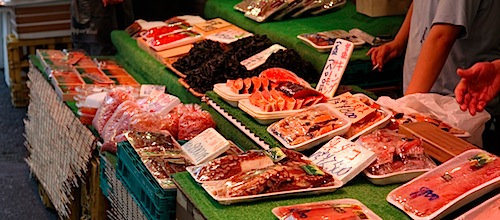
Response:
column 206, row 146
column 260, row 58
column 228, row 36
column 351, row 106
column 343, row 158
column 334, row 68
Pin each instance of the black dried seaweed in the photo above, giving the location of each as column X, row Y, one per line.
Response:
column 200, row 53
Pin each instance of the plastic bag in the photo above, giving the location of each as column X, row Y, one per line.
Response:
column 442, row 107
column 113, row 131
column 112, row 100
column 193, row 121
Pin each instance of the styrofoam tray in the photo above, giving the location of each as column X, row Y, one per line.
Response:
column 319, row 139
column 263, row 117
column 231, row 200
column 456, row 203
column 391, row 178
column 331, row 36
column 473, row 213
column 369, row 213
column 229, row 96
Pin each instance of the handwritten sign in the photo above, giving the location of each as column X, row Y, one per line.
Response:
column 228, row 36
column 343, row 158
column 206, row 146
column 335, row 67
column 260, row 58
column 351, row 106
column 213, row 24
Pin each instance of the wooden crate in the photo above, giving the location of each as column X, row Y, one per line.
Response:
column 18, row 52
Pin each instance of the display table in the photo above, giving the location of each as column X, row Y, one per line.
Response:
column 285, row 32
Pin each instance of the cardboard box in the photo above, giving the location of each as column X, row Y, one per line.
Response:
column 379, row 8
column 439, row 144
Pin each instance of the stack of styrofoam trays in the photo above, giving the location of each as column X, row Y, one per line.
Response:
column 263, row 117
column 229, row 96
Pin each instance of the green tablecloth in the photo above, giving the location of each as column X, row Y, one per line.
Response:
column 285, row 32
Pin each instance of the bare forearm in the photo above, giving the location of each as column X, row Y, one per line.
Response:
column 432, row 57
column 401, row 37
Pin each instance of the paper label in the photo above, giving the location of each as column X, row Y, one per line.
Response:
column 260, row 58
column 343, row 158
column 335, row 67
column 351, row 106
column 148, row 90
column 228, row 36
column 213, row 24
column 206, row 146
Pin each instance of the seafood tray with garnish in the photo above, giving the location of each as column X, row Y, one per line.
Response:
column 277, row 172
column 330, row 209
column 310, row 127
column 399, row 158
column 449, row 186
column 324, row 41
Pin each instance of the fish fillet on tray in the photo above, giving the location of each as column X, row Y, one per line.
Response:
column 449, row 186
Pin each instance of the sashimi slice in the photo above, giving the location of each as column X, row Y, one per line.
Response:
column 280, row 102
column 237, row 86
column 255, row 84
column 248, row 83
column 264, row 84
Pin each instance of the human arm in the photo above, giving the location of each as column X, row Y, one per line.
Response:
column 479, row 85
column 432, row 57
column 381, row 54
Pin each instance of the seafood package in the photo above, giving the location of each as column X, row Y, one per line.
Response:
column 309, row 127
column 365, row 114
column 330, row 209
column 160, row 153
column 325, row 40
column 399, row 158
column 343, row 158
column 291, row 173
column 228, row 36
column 156, row 32
column 261, row 10
column 175, row 39
column 227, row 166
column 444, row 189
column 487, row 210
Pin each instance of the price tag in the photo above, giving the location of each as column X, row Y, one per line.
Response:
column 228, row 36
column 206, row 146
column 148, row 90
column 335, row 67
column 351, row 106
column 343, row 158
column 260, row 58
column 213, row 24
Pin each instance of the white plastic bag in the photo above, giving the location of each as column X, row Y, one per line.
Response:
column 445, row 108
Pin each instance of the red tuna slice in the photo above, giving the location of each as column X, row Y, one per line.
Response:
column 278, row 75
column 261, row 100
column 264, row 84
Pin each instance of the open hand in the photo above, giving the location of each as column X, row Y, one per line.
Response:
column 479, row 85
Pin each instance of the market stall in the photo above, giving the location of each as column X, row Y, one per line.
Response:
column 135, row 191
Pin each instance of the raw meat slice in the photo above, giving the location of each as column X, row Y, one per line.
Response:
column 278, row 75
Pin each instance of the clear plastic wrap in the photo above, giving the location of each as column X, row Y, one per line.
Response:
column 112, row 100
column 341, row 209
column 193, row 121
column 429, row 195
column 395, row 152
column 113, row 131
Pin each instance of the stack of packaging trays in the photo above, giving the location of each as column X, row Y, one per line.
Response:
column 155, row 201
column 72, row 69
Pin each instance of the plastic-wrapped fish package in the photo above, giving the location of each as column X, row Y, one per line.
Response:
column 261, row 10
